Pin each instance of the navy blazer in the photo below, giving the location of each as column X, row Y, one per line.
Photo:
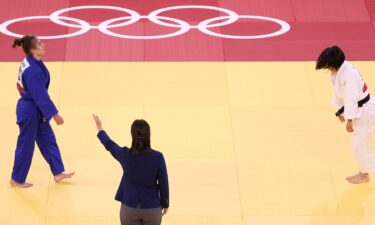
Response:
column 144, row 181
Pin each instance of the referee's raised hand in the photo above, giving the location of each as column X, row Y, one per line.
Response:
column 98, row 122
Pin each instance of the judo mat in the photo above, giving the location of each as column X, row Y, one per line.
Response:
column 243, row 121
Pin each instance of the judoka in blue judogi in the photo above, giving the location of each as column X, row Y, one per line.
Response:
column 34, row 111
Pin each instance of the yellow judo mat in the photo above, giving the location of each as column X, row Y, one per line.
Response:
column 250, row 143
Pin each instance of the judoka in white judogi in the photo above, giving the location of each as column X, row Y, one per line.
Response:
column 349, row 90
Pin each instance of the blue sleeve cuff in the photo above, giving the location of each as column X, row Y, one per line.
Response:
column 165, row 204
column 51, row 114
column 102, row 135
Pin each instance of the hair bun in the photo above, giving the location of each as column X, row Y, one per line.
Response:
column 17, row 42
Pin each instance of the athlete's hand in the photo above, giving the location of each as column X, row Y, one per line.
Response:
column 341, row 118
column 164, row 211
column 98, row 122
column 58, row 119
column 349, row 126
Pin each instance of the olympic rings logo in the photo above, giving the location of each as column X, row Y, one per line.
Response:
column 154, row 16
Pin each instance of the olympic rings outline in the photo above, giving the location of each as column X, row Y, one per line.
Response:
column 154, row 17
column 184, row 28
column 84, row 28
column 134, row 15
column 285, row 27
column 233, row 17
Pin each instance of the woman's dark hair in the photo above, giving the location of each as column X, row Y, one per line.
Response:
column 27, row 42
column 331, row 58
column 141, row 137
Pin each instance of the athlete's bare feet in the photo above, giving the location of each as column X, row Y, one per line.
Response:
column 14, row 183
column 62, row 176
column 359, row 178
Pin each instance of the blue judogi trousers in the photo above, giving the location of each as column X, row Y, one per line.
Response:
column 34, row 128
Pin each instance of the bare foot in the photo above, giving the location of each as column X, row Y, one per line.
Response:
column 351, row 177
column 14, row 183
column 62, row 176
column 359, row 178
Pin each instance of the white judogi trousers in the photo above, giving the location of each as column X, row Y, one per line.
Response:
column 361, row 138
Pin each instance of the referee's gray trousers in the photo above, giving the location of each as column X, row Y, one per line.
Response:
column 138, row 216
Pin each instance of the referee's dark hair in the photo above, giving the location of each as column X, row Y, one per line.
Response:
column 331, row 58
column 140, row 132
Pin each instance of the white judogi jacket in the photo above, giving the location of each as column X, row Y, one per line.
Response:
column 348, row 88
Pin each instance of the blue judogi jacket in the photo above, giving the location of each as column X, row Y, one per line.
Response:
column 145, row 179
column 33, row 82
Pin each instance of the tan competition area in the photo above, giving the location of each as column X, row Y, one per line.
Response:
column 250, row 143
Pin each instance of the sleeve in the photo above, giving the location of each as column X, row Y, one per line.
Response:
column 335, row 102
column 163, row 184
column 350, row 96
column 39, row 93
column 110, row 145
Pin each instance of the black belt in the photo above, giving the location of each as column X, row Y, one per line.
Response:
column 360, row 104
